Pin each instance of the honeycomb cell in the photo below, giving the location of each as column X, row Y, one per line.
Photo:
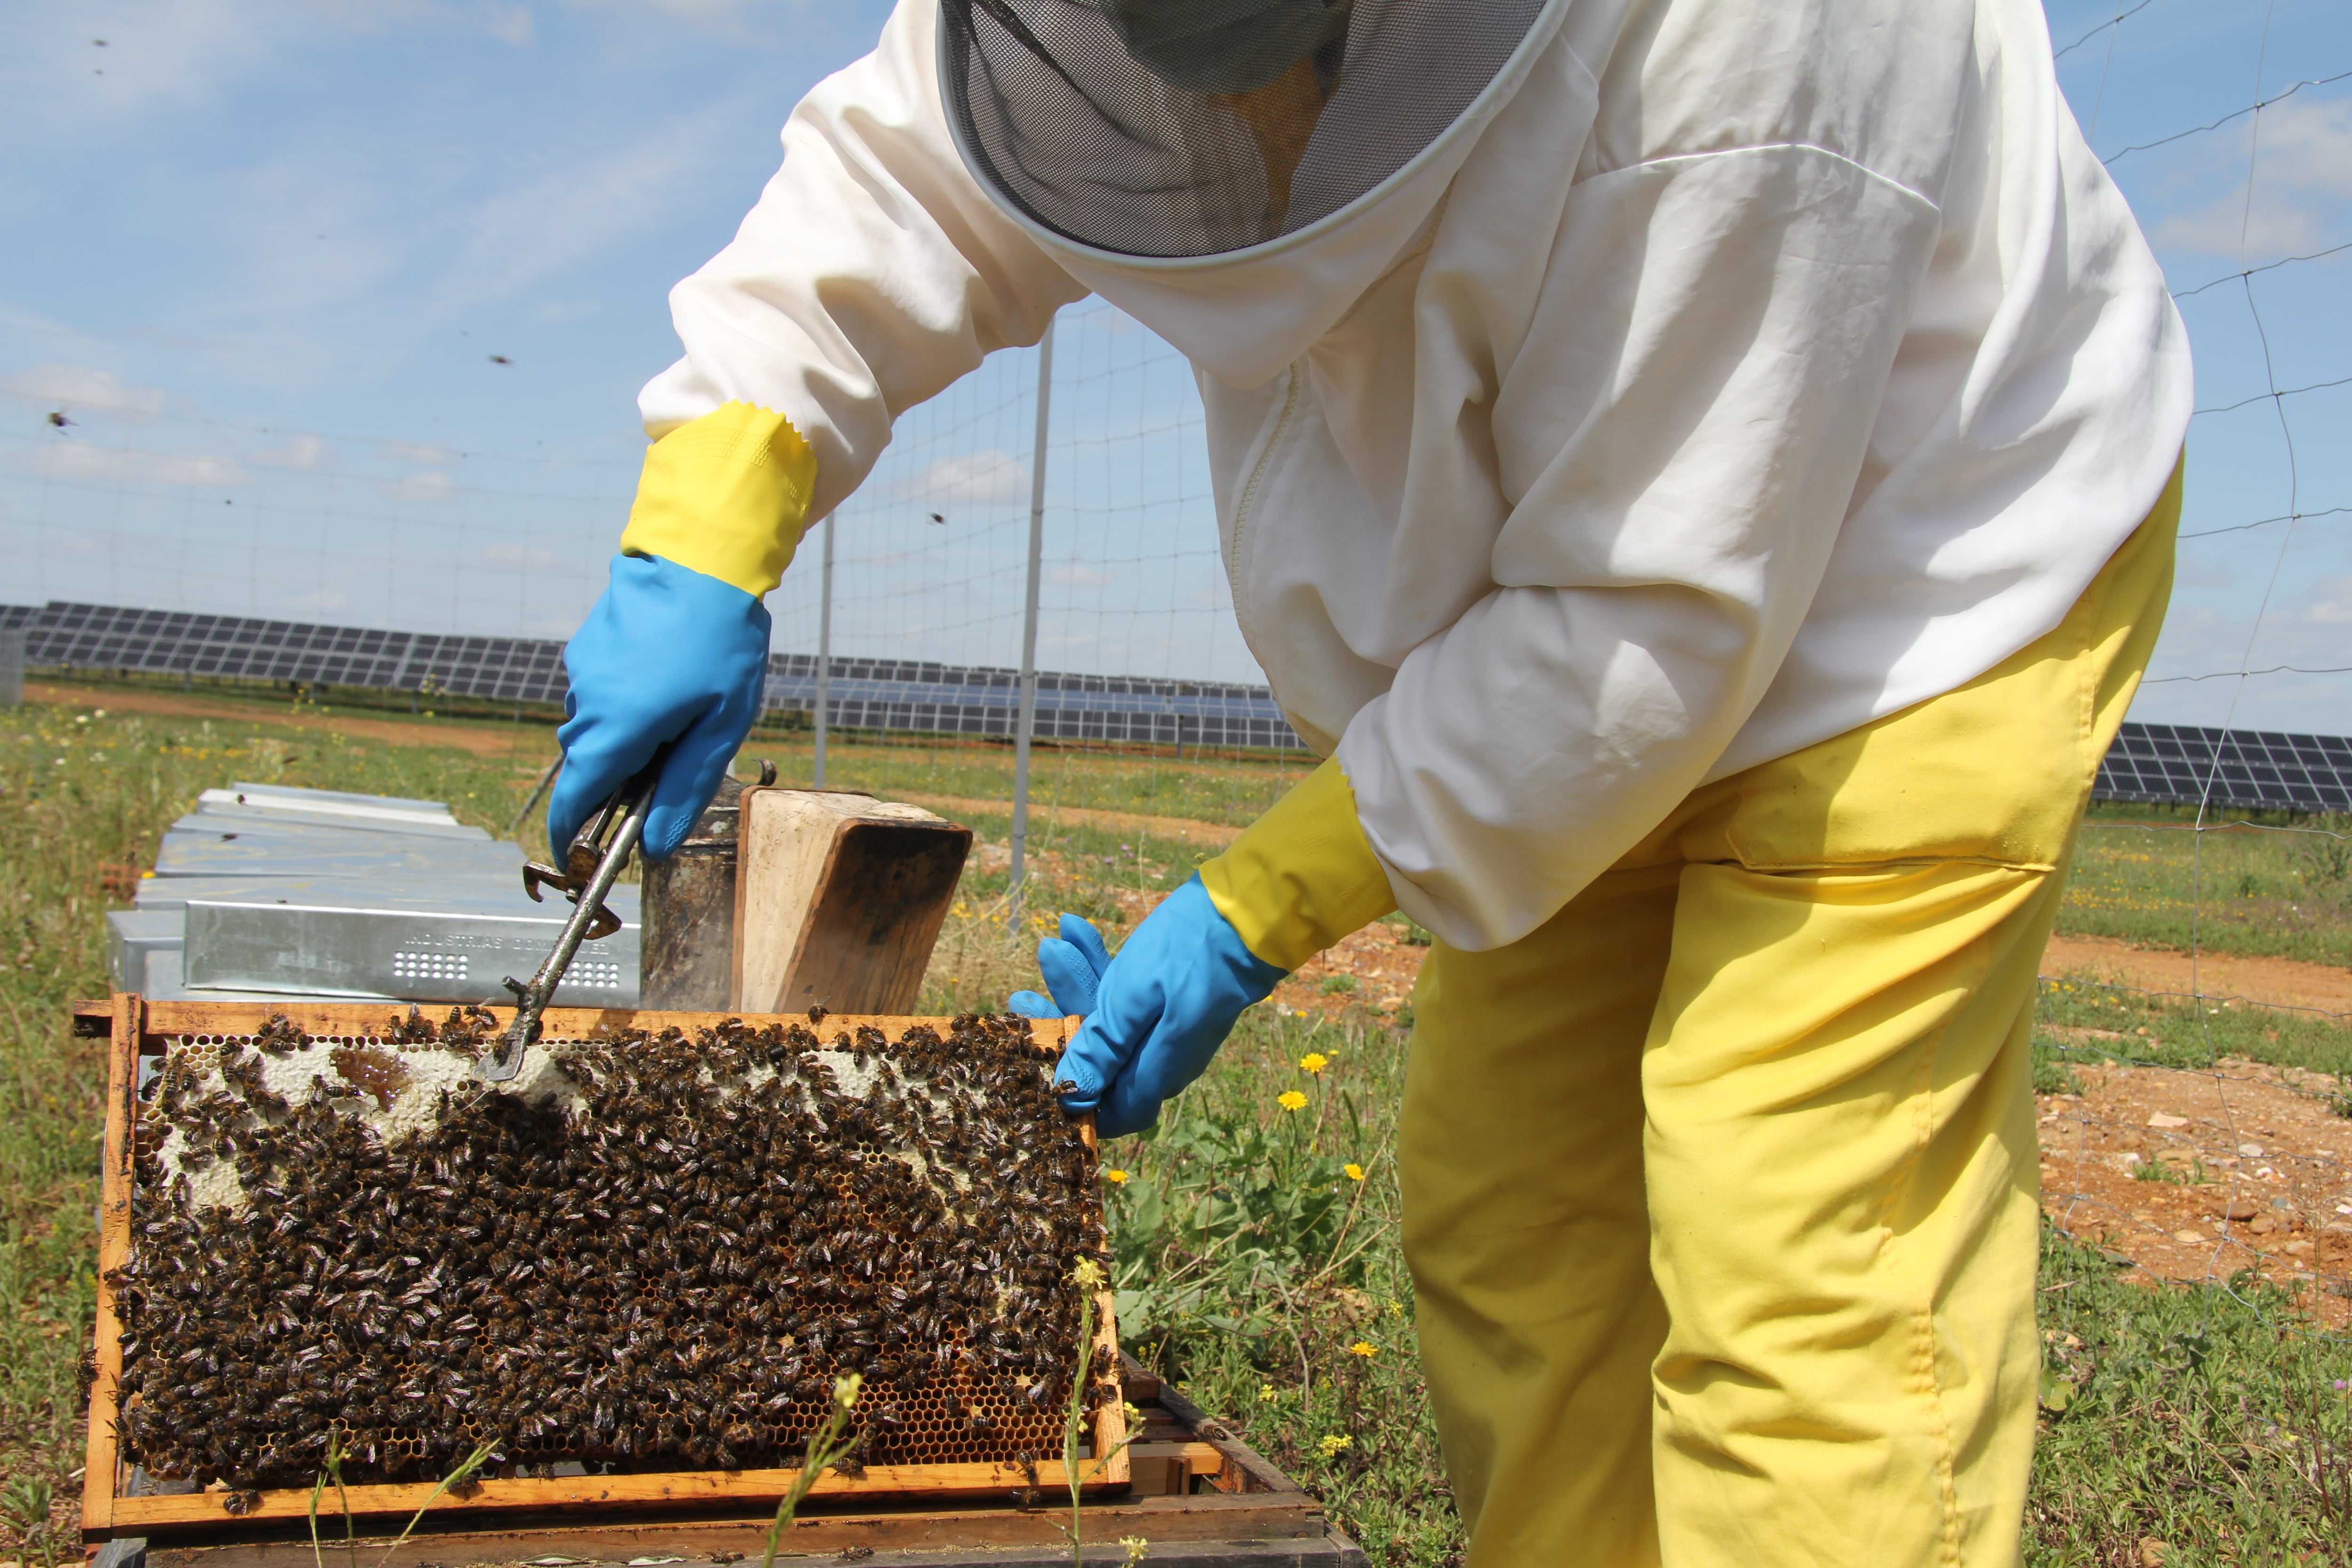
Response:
column 661, row 1261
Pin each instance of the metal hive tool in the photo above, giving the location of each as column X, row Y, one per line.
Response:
column 656, row 1252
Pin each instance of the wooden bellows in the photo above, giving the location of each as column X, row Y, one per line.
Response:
column 838, row 900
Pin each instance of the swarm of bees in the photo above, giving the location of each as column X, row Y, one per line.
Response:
column 660, row 1260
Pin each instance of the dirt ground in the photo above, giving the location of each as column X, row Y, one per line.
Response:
column 2271, row 982
column 2197, row 1175
column 482, row 739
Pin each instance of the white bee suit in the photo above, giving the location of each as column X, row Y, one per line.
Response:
column 1728, row 376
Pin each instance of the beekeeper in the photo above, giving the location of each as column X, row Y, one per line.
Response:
column 1703, row 474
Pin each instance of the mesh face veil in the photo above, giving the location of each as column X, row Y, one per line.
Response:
column 1194, row 128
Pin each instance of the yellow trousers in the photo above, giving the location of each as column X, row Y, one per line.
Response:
column 1719, row 1188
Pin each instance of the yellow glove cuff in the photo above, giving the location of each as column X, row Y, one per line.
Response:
column 1302, row 876
column 726, row 495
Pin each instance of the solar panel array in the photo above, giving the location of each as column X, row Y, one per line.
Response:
column 2157, row 763
column 176, row 642
column 903, row 694
column 2173, row 763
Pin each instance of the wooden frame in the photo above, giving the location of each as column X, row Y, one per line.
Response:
column 136, row 1025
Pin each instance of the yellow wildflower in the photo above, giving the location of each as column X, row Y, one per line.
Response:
column 1364, row 1348
column 1267, row 1395
column 1116, row 1178
column 1314, row 1062
column 1355, row 1172
column 1291, row 1099
column 1138, row 1549
column 1335, row 1443
column 1086, row 1274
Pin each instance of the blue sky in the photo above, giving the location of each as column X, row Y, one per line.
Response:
column 261, row 255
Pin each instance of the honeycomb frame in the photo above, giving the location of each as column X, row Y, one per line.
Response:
column 1019, row 1462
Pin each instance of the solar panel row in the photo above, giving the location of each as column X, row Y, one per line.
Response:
column 2148, row 762
column 2175, row 762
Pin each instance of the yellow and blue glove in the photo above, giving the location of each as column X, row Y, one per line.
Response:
column 1299, row 879
column 676, row 647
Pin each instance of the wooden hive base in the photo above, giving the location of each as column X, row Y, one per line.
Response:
column 1196, row 1494
column 117, row 1505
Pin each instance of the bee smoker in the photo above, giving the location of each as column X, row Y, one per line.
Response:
column 688, row 919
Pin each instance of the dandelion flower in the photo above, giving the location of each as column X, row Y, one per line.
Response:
column 1314, row 1062
column 1364, row 1348
column 1291, row 1099
column 1335, row 1443
column 1116, row 1178
column 1355, row 1172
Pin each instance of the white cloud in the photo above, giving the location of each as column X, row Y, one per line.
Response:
column 79, row 462
column 510, row 25
column 526, row 234
column 417, row 452
column 990, row 477
column 512, row 557
column 78, row 386
column 302, row 453
column 431, row 485
column 2333, row 605
column 1071, row 576
column 2302, row 187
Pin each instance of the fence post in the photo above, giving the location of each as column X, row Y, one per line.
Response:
column 824, row 649
column 1025, row 724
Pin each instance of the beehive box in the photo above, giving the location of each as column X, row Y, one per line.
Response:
column 637, row 1273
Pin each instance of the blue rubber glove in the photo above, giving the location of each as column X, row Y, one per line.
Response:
column 665, row 654
column 1155, row 1015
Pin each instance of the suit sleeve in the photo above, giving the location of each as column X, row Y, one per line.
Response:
column 873, row 273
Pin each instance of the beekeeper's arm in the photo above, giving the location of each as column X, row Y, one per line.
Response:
column 1717, row 331
column 872, row 274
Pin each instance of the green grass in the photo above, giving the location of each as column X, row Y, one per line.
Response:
column 1250, row 1264
column 2182, row 1032
column 2193, row 1415
column 83, row 801
column 1254, row 1270
column 1230, row 789
column 2271, row 889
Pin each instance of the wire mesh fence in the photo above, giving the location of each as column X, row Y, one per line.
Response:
column 2193, row 1050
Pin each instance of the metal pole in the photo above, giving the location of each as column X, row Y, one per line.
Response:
column 823, row 650
column 1026, row 724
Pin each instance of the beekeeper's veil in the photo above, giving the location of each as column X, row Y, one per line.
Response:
column 1194, row 128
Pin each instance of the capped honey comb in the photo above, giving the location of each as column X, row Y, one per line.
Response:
column 649, row 1252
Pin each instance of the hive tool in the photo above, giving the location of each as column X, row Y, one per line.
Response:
column 591, row 864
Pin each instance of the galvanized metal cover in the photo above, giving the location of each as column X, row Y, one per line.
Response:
column 325, row 948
